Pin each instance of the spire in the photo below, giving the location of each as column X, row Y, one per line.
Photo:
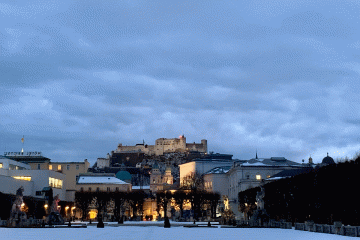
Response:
column 22, row 140
column 256, row 155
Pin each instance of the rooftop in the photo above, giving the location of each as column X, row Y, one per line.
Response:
column 266, row 162
column 219, row 170
column 99, row 180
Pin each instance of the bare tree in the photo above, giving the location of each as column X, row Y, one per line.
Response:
column 83, row 201
column 180, row 197
column 120, row 200
column 193, row 184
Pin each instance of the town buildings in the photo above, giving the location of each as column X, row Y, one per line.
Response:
column 41, row 173
column 229, row 177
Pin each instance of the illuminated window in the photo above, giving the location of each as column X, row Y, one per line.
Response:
column 1, row 165
column 258, row 177
column 22, row 178
column 55, row 183
column 59, row 167
column 50, row 167
column 268, row 176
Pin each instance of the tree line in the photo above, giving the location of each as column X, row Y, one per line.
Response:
column 202, row 203
column 114, row 202
column 323, row 195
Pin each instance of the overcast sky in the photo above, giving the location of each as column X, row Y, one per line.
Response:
column 282, row 77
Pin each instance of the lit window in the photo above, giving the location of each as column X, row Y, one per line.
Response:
column 22, row 178
column 55, row 183
column 59, row 167
column 50, row 167
column 258, row 177
column 1, row 165
column 67, row 167
column 268, row 176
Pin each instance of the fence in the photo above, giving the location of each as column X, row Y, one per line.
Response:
column 336, row 228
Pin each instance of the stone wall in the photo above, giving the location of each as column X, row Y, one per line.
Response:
column 337, row 228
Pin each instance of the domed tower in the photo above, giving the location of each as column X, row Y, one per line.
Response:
column 168, row 178
column 328, row 160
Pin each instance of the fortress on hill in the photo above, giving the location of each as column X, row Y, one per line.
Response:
column 165, row 145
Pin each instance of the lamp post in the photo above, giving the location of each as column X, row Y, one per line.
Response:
column 66, row 211
column 46, row 206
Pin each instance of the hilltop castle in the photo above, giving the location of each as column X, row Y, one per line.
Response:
column 165, row 145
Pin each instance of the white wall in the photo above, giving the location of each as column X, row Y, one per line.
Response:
column 40, row 179
column 200, row 166
column 10, row 185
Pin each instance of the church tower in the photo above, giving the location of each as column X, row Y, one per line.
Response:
column 168, row 178
column 155, row 178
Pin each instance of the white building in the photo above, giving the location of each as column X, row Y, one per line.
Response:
column 14, row 174
column 101, row 182
column 229, row 177
column 200, row 166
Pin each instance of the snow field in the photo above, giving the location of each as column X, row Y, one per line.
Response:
column 159, row 233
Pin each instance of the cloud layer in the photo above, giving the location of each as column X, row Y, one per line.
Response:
column 79, row 77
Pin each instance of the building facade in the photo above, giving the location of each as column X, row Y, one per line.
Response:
column 15, row 174
column 72, row 170
column 105, row 182
column 160, row 181
column 200, row 167
column 36, row 161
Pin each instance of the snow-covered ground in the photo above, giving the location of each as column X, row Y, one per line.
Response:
column 159, row 233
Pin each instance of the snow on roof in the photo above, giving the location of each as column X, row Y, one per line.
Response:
column 140, row 187
column 254, row 164
column 218, row 170
column 100, row 180
column 274, row 178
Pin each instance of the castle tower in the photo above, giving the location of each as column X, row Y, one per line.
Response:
column 182, row 142
column 204, row 143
